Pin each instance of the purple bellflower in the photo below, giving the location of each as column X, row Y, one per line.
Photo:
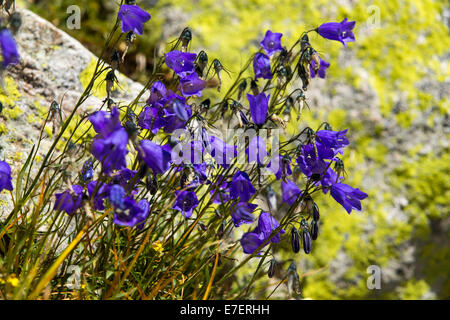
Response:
column 127, row 213
column 132, row 18
column 334, row 140
column 256, row 150
column 9, row 48
column 192, row 85
column 155, row 156
column 101, row 193
column 176, row 115
column 290, row 192
column 222, row 152
column 347, row 196
column 132, row 214
column 5, row 177
column 261, row 66
column 258, row 107
column 68, row 201
column 323, row 66
column 241, row 187
column 110, row 144
column 311, row 163
column 181, row 62
column 272, row 42
column 280, row 166
column 250, row 241
column 186, row 202
column 339, row 31
column 243, row 213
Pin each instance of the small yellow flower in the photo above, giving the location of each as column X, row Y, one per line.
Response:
column 12, row 280
column 157, row 246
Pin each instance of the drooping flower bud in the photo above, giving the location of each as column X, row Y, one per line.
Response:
column 295, row 240
column 242, row 87
column 15, row 22
column 185, row 37
column 271, row 199
column 315, row 212
column 254, row 88
column 306, row 237
column 202, row 62
column 271, row 271
column 314, row 230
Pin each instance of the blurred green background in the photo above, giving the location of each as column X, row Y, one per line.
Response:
column 390, row 88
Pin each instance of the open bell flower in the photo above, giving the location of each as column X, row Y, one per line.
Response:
column 127, row 212
column 323, row 66
column 348, row 197
column 68, row 201
column 192, row 85
column 9, row 48
column 132, row 18
column 243, row 213
column 241, row 187
column 110, row 144
column 272, row 42
column 181, row 62
column 261, row 66
column 338, row 31
column 258, row 107
column 290, row 192
column 155, row 156
column 186, row 202
column 250, row 241
column 5, row 177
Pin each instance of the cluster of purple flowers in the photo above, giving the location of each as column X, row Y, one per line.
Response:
column 169, row 108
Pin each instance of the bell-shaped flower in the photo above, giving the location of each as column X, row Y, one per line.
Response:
column 132, row 18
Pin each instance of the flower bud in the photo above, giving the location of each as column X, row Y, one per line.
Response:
column 295, row 240
column 242, row 87
column 15, row 22
column 271, row 271
column 306, row 239
column 315, row 211
column 186, row 37
column 314, row 230
column 254, row 88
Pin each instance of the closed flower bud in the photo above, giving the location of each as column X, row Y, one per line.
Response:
column 271, row 271
column 254, row 88
column 15, row 21
column 221, row 230
column 295, row 240
column 307, row 204
column 306, row 239
column 243, row 118
column 314, row 230
column 186, row 37
column 315, row 211
column 242, row 87
column 151, row 184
